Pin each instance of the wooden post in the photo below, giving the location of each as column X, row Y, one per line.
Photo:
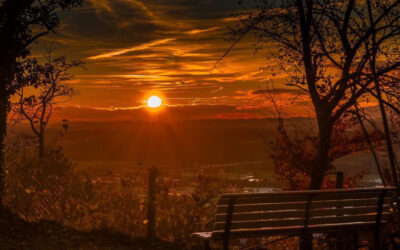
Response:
column 339, row 180
column 151, row 203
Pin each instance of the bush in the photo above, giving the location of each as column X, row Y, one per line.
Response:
column 46, row 188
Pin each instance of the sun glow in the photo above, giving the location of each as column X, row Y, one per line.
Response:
column 154, row 102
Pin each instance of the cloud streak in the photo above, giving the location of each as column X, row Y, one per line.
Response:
column 131, row 49
column 199, row 31
column 144, row 8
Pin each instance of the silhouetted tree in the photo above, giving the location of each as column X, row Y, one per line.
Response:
column 327, row 46
column 22, row 22
column 294, row 148
column 48, row 88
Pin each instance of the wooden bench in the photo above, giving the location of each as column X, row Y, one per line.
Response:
column 247, row 215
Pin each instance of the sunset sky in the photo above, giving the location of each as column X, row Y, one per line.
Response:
column 136, row 48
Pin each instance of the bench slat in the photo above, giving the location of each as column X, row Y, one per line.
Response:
column 267, row 199
column 323, row 192
column 294, row 214
column 346, row 219
column 349, row 203
column 263, row 207
column 296, row 230
column 261, row 223
column 303, row 197
column 263, row 215
column 347, row 210
column 299, row 222
column 301, row 205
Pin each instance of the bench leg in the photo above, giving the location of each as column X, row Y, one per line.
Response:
column 355, row 241
column 207, row 245
column 306, row 241
column 225, row 245
column 377, row 239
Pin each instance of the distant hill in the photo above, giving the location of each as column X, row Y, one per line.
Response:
column 182, row 142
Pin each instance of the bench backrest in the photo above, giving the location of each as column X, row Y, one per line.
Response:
column 260, row 214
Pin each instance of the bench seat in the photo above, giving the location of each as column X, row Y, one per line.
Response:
column 248, row 215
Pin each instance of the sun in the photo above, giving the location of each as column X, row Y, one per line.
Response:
column 154, row 102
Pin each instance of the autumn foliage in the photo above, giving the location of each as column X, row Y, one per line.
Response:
column 293, row 154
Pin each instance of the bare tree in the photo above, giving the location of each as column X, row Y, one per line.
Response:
column 327, row 45
column 373, row 60
column 22, row 22
column 49, row 89
column 368, row 140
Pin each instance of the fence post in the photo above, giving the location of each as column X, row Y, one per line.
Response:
column 151, row 202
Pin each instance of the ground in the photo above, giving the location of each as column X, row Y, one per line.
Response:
column 16, row 233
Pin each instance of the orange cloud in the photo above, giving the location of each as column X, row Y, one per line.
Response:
column 134, row 48
column 144, row 8
column 198, row 31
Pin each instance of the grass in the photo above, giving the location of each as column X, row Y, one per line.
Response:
column 16, row 233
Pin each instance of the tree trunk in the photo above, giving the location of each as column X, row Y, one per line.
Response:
column 3, row 130
column 41, row 145
column 389, row 146
column 371, row 147
column 320, row 166
column 321, row 162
